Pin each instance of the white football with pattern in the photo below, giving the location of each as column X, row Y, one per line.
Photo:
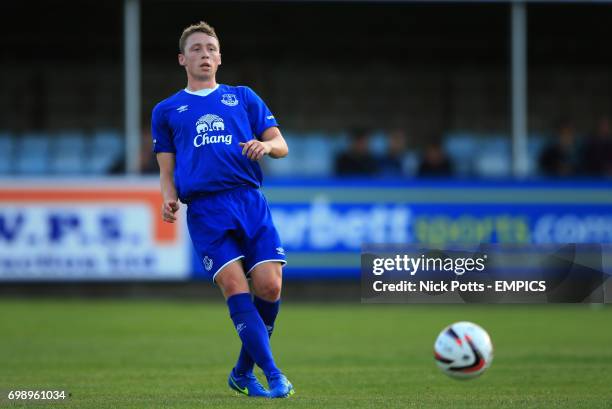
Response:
column 463, row 350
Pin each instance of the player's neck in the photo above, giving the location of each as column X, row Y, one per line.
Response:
column 196, row 85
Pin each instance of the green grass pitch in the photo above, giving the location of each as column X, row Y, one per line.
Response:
column 149, row 354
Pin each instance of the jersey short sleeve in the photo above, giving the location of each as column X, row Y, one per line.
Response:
column 260, row 116
column 160, row 131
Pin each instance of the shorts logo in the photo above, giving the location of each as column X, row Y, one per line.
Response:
column 230, row 100
column 240, row 327
column 208, row 263
column 280, row 250
column 208, row 128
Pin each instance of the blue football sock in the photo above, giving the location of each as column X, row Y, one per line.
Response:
column 267, row 311
column 252, row 331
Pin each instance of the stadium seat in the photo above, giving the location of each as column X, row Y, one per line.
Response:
column 32, row 154
column 7, row 144
column 410, row 163
column 68, row 153
column 106, row 149
column 461, row 147
column 319, row 156
column 379, row 143
column 494, row 157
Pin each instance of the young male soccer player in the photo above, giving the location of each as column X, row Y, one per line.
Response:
column 208, row 139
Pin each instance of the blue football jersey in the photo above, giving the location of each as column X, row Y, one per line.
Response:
column 204, row 133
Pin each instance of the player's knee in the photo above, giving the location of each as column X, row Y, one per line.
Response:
column 269, row 289
column 267, row 279
column 271, row 292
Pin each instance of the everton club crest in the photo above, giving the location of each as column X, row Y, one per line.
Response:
column 229, row 100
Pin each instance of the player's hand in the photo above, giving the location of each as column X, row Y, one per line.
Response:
column 254, row 149
column 169, row 208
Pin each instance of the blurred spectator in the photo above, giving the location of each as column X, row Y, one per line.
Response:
column 392, row 162
column 435, row 162
column 558, row 158
column 596, row 158
column 357, row 160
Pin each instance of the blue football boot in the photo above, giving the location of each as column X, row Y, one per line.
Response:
column 247, row 385
column 280, row 387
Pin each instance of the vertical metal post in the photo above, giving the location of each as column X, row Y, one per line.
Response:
column 518, row 23
column 131, row 57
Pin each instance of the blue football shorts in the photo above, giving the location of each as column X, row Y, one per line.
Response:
column 231, row 225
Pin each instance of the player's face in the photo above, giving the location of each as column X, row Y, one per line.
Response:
column 202, row 56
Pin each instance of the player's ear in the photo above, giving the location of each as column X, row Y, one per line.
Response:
column 181, row 59
column 219, row 58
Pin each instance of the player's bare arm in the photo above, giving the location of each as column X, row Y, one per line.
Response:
column 170, row 206
column 272, row 143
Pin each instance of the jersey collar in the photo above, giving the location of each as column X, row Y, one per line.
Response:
column 202, row 92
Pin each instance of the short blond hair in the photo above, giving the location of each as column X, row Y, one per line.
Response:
column 201, row 27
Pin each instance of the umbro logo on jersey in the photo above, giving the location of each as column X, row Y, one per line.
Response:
column 183, row 108
column 270, row 117
column 229, row 99
column 210, row 129
column 280, row 250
